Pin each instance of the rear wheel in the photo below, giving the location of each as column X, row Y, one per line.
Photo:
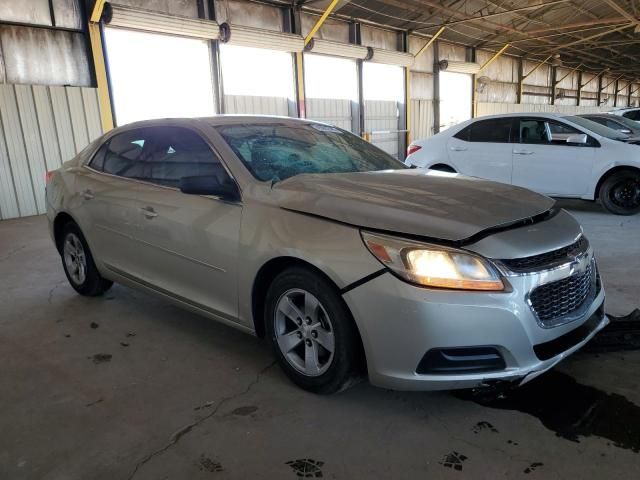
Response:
column 620, row 193
column 311, row 331
column 78, row 263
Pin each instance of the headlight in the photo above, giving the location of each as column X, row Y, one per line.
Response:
column 433, row 265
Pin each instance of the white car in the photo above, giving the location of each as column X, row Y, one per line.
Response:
column 557, row 155
column 632, row 113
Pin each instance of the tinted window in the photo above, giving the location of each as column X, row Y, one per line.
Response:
column 123, row 154
column 633, row 115
column 547, row 132
column 495, row 130
column 179, row 152
column 273, row 151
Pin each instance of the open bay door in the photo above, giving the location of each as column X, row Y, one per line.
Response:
column 159, row 65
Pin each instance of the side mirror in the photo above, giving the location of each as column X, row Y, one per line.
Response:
column 578, row 138
column 209, row 185
column 625, row 131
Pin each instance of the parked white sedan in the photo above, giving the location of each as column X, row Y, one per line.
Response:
column 562, row 156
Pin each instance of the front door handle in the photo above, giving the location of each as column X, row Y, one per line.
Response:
column 87, row 194
column 148, row 212
column 458, row 149
column 522, row 152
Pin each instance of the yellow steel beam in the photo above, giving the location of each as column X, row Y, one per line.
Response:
column 430, row 42
column 302, row 111
column 537, row 66
column 614, row 80
column 569, row 73
column 493, row 59
column 475, row 77
column 593, row 78
column 96, row 13
column 101, row 76
column 320, row 21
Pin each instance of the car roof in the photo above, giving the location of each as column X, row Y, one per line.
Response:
column 217, row 120
column 522, row 114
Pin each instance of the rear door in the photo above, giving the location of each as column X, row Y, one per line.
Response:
column 482, row 149
column 543, row 161
column 188, row 243
column 107, row 207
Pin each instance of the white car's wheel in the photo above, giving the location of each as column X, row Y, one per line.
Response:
column 620, row 193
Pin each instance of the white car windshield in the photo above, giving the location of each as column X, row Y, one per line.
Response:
column 275, row 152
column 596, row 128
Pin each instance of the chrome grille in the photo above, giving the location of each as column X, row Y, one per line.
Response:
column 555, row 302
column 548, row 259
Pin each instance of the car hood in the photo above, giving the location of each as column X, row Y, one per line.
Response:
column 414, row 202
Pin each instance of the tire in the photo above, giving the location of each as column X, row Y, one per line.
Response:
column 620, row 193
column 300, row 302
column 78, row 263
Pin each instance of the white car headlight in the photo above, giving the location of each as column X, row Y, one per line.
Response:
column 433, row 265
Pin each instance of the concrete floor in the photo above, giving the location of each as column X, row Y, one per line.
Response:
column 183, row 397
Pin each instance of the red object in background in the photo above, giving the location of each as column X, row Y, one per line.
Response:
column 413, row 149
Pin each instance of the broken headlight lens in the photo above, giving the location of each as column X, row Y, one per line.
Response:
column 434, row 265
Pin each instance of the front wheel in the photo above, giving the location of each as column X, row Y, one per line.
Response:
column 312, row 333
column 79, row 267
column 620, row 193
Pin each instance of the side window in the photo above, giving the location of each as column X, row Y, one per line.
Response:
column 633, row 115
column 615, row 125
column 463, row 134
column 534, row 132
column 179, row 152
column 122, row 155
column 495, row 130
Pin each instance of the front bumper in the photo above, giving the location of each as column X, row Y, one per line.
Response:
column 399, row 323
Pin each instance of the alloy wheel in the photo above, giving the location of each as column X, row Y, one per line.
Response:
column 75, row 259
column 304, row 332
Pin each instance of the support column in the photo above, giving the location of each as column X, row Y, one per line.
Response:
column 404, row 109
column 97, row 52
column 436, row 88
column 579, row 87
column 599, row 96
column 520, row 80
column 357, row 108
column 554, row 84
column 216, row 73
column 292, row 25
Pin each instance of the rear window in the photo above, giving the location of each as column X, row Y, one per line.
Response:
column 495, row 130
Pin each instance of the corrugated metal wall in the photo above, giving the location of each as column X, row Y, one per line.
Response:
column 379, row 116
column 421, row 119
column 328, row 110
column 496, row 108
column 40, row 127
column 256, row 105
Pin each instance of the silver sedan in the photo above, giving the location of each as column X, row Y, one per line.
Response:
column 348, row 262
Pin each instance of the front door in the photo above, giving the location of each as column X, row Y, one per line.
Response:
column 188, row 243
column 543, row 161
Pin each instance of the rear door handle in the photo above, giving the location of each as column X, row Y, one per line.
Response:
column 148, row 212
column 459, row 149
column 87, row 194
column 522, row 152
